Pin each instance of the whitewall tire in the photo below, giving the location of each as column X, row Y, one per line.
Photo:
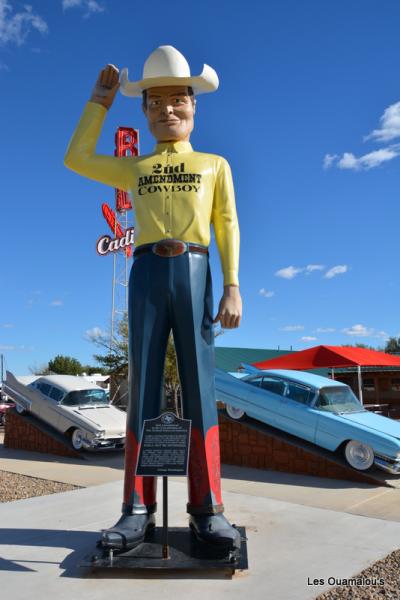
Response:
column 235, row 413
column 358, row 455
column 77, row 439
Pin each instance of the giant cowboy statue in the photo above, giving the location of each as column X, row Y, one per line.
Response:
column 177, row 193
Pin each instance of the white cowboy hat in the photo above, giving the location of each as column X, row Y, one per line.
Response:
column 167, row 66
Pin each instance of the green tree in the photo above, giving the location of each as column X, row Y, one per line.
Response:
column 65, row 365
column 393, row 345
column 116, row 359
column 89, row 370
column 42, row 369
column 172, row 386
column 359, row 345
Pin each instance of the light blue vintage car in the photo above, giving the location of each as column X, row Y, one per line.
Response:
column 317, row 409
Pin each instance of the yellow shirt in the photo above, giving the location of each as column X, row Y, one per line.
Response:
column 177, row 193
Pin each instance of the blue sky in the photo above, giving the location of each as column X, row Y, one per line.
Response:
column 307, row 114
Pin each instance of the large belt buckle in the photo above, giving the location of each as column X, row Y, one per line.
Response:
column 169, row 248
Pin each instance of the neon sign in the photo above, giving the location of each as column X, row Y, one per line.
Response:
column 105, row 244
column 126, row 144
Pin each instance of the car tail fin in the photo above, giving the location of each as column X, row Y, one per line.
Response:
column 249, row 368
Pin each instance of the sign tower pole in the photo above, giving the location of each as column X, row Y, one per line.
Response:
column 126, row 144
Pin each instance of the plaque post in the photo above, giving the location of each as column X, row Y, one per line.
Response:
column 165, row 549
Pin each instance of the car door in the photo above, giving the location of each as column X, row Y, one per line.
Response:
column 48, row 409
column 56, row 395
column 295, row 414
column 273, row 390
column 263, row 398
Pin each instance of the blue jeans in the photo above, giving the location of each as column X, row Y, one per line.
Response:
column 173, row 293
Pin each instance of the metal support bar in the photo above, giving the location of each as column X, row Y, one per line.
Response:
column 360, row 392
column 165, row 549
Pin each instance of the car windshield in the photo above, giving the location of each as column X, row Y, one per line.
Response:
column 86, row 398
column 339, row 400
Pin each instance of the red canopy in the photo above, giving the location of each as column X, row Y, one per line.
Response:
column 330, row 356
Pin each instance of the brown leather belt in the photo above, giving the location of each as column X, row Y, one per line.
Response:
column 170, row 247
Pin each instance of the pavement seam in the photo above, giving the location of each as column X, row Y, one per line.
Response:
column 368, row 499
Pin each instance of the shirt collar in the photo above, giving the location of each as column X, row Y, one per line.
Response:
column 178, row 146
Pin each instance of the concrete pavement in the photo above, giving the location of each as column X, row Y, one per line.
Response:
column 98, row 468
column 42, row 540
column 299, row 529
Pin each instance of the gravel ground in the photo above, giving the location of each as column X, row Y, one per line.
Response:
column 15, row 487
column 380, row 580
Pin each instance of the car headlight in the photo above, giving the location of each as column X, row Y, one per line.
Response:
column 100, row 434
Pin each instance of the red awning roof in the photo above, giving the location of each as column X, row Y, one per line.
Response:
column 330, row 356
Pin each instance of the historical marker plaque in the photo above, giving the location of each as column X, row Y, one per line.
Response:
column 164, row 448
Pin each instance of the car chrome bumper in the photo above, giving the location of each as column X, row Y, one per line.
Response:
column 390, row 465
column 106, row 443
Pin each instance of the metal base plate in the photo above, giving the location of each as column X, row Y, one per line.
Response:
column 185, row 553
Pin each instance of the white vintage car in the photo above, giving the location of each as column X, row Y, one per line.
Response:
column 73, row 406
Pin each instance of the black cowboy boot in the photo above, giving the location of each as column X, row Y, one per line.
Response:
column 215, row 530
column 128, row 532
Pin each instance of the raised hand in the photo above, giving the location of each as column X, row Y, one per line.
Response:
column 106, row 86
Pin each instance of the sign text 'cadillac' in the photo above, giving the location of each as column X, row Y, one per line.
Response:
column 106, row 244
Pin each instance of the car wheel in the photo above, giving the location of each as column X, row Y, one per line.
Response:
column 360, row 456
column 77, row 439
column 20, row 410
column 235, row 413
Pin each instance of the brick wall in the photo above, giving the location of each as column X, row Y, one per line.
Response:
column 244, row 446
column 21, row 433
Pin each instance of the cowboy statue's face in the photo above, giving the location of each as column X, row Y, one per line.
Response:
column 170, row 111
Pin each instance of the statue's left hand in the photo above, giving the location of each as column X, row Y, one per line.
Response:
column 230, row 308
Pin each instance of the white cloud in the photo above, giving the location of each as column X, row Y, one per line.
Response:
column 367, row 161
column 389, row 130
column 9, row 347
column 291, row 272
column 57, row 302
column 89, row 6
column 325, row 329
column 358, row 330
column 288, row 272
column 71, row 3
column 308, row 338
column 266, row 293
column 15, row 28
column 337, row 270
column 94, row 332
column 363, row 331
column 292, row 328
column 390, row 125
column 382, row 334
column 310, row 268
column 329, row 159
